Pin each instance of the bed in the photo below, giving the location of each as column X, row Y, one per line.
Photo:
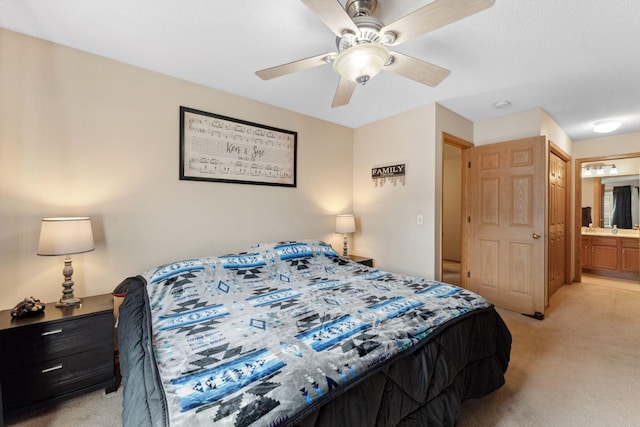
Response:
column 292, row 334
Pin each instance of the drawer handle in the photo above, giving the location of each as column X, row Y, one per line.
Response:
column 53, row 368
column 55, row 331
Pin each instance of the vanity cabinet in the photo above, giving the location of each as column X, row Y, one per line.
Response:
column 604, row 252
column 630, row 255
column 611, row 256
column 585, row 258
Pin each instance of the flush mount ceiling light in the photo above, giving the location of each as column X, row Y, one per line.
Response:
column 501, row 104
column 606, row 126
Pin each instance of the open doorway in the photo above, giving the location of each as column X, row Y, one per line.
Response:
column 594, row 217
column 453, row 237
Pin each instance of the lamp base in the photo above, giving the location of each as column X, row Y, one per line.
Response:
column 344, row 249
column 68, row 299
column 71, row 302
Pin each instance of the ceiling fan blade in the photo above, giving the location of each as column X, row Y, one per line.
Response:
column 433, row 16
column 415, row 69
column 292, row 67
column 343, row 93
column 333, row 15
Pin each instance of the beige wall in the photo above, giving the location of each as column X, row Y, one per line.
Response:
column 84, row 135
column 388, row 228
column 525, row 124
column 452, row 209
column 387, row 214
column 508, row 127
column 587, row 194
column 607, row 146
column 554, row 133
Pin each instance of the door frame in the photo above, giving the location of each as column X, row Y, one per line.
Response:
column 578, row 204
column 462, row 144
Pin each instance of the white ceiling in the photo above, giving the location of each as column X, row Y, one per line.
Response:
column 579, row 60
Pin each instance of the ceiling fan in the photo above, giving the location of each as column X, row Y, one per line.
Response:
column 363, row 42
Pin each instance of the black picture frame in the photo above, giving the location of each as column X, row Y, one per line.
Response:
column 224, row 149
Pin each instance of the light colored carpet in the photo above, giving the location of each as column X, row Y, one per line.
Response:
column 95, row 409
column 578, row 367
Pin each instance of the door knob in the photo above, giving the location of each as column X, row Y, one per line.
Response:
column 536, row 236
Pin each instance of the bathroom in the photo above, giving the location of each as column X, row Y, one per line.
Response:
column 610, row 218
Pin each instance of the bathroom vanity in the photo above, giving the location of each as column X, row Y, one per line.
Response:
column 612, row 255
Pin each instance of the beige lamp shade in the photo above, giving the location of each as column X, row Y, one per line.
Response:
column 345, row 224
column 65, row 236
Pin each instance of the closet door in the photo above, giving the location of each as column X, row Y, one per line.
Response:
column 557, row 222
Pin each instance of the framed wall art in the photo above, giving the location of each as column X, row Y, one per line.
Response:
column 224, row 149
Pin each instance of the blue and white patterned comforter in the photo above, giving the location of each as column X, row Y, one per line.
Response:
column 262, row 337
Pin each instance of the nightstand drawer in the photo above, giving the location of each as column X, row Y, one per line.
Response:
column 361, row 260
column 48, row 341
column 55, row 378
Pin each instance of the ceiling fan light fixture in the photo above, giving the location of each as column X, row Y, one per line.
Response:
column 388, row 38
column 361, row 62
column 606, row 126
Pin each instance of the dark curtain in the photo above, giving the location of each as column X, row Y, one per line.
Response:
column 622, row 207
column 586, row 216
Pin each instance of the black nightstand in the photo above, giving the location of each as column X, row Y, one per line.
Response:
column 361, row 260
column 56, row 355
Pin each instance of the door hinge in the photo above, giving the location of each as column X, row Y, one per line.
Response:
column 469, row 219
column 469, row 165
column 468, row 274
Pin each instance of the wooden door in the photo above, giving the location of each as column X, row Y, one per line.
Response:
column 507, row 204
column 557, row 222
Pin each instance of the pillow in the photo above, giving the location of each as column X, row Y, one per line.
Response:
column 293, row 250
column 173, row 269
column 242, row 260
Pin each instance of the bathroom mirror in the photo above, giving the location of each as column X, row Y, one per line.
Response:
column 610, row 199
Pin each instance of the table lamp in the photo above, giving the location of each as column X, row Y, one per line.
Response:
column 66, row 236
column 345, row 224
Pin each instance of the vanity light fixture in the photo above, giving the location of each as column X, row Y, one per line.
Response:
column 606, row 126
column 599, row 169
